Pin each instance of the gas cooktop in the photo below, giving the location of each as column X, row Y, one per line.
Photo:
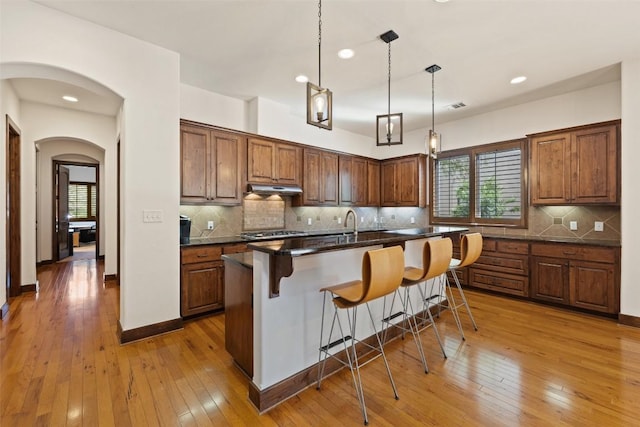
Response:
column 273, row 234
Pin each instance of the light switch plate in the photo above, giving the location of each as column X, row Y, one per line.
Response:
column 598, row 226
column 149, row 215
column 573, row 225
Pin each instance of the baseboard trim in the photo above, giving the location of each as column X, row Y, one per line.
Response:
column 289, row 387
column 628, row 320
column 4, row 310
column 33, row 287
column 101, row 257
column 44, row 262
column 147, row 331
column 110, row 277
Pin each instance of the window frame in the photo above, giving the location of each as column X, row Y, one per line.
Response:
column 472, row 152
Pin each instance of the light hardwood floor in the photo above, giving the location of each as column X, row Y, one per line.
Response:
column 528, row 365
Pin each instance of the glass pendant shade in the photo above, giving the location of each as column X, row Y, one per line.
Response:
column 434, row 143
column 389, row 129
column 319, row 102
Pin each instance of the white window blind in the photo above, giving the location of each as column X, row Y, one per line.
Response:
column 451, row 187
column 499, row 184
column 82, row 201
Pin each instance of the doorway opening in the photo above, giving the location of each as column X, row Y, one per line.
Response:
column 13, row 257
column 76, row 196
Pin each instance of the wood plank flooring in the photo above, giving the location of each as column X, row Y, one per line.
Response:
column 529, row 365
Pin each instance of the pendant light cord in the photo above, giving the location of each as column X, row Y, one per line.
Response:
column 389, row 97
column 433, row 102
column 319, row 42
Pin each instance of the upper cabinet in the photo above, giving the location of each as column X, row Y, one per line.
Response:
column 576, row 166
column 320, row 178
column 373, row 183
column 271, row 162
column 353, row 181
column 212, row 166
column 403, row 181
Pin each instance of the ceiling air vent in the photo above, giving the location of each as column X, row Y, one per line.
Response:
column 457, row 105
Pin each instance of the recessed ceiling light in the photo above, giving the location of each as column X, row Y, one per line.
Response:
column 441, row 1
column 518, row 80
column 70, row 98
column 302, row 78
column 346, row 53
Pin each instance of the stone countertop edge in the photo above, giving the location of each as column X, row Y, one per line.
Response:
column 295, row 247
column 556, row 239
column 244, row 259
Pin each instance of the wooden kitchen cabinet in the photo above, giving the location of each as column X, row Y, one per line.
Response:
column 320, row 178
column 576, row 166
column 353, row 181
column 503, row 266
column 202, row 280
column 239, row 314
column 212, row 166
column 403, row 181
column 272, row 162
column 577, row 275
column 373, row 183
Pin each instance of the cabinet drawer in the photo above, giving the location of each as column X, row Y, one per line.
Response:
column 509, row 247
column 201, row 254
column 234, row 249
column 489, row 245
column 582, row 253
column 501, row 282
column 514, row 264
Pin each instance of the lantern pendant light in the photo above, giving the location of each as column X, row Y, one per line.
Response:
column 434, row 138
column 319, row 99
column 389, row 126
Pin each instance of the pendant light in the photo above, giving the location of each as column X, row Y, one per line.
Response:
column 319, row 99
column 434, row 138
column 389, row 126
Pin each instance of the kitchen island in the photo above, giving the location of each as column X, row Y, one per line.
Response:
column 287, row 305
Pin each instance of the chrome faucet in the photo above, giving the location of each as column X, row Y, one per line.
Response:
column 355, row 220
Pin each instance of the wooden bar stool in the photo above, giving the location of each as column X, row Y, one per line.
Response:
column 381, row 275
column 470, row 250
column 436, row 257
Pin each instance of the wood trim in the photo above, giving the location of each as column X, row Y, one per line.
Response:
column 4, row 310
column 147, row 331
column 44, row 262
column 628, row 320
column 33, row 287
column 110, row 277
column 13, row 218
column 616, row 122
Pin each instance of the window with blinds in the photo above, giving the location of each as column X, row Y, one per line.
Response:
column 495, row 174
column 82, row 200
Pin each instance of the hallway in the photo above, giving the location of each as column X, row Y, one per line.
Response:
column 529, row 364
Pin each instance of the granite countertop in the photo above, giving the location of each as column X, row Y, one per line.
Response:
column 244, row 259
column 555, row 239
column 299, row 246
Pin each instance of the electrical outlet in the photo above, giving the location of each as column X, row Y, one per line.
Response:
column 339, row 220
column 210, row 225
column 309, row 221
column 573, row 225
column 413, row 220
column 598, row 226
column 361, row 219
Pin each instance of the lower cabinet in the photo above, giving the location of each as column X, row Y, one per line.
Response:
column 503, row 266
column 577, row 275
column 202, row 278
column 238, row 314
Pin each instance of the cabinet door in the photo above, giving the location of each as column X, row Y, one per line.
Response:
column 550, row 169
column 407, row 187
column 549, row 279
column 594, row 165
column 345, row 164
column 373, row 183
column 388, row 183
column 359, row 181
column 202, row 288
column 194, row 166
column 311, row 178
column 227, row 151
column 260, row 161
column 238, row 313
column 329, row 178
column 287, row 164
column 592, row 286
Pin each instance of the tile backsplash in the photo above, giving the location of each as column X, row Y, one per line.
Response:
column 273, row 212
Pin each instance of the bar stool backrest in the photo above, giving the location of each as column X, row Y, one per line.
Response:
column 382, row 271
column 470, row 248
column 436, row 257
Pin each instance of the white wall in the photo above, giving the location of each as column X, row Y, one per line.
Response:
column 630, row 286
column 207, row 107
column 61, row 132
column 9, row 105
column 147, row 78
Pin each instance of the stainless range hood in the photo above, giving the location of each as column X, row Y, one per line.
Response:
column 282, row 190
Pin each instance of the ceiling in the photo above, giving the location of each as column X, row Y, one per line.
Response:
column 249, row 48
